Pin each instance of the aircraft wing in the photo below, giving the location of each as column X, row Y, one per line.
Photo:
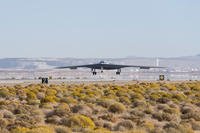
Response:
column 75, row 67
column 107, row 66
column 141, row 67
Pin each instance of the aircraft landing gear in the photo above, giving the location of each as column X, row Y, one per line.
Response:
column 94, row 72
column 118, row 72
column 101, row 69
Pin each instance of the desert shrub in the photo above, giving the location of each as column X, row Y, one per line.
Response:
column 109, row 117
column 179, row 129
column 3, row 102
column 105, row 102
column 80, row 121
column 51, row 92
column 171, row 125
column 44, row 129
column 154, row 86
column 158, row 95
column 170, row 87
column 137, row 131
column 82, row 109
column 125, row 125
column 4, row 131
column 162, row 116
column 62, row 109
column 29, row 118
column 24, row 120
column 138, row 112
column 108, row 125
column 33, row 102
column 125, row 100
column 135, row 88
column 62, row 129
column 117, row 108
column 154, row 96
column 20, row 130
column 69, row 100
column 148, row 125
column 184, row 86
column 99, row 123
column 195, row 125
column 171, row 110
column 3, row 123
column 121, row 93
column 31, row 95
column 136, row 96
column 50, row 99
column 4, row 93
column 163, row 100
column 101, row 130
column 187, row 109
column 188, row 92
column 179, row 96
column 189, row 112
column 139, row 104
column 47, row 106
column 148, row 110
column 53, row 120
column 195, row 87
column 7, row 114
column 194, row 115
column 40, row 95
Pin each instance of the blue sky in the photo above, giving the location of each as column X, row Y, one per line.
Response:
column 99, row 28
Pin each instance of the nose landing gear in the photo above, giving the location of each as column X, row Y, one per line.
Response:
column 101, row 69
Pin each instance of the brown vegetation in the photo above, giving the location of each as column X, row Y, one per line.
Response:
column 101, row 108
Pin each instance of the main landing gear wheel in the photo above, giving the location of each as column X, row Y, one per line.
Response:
column 94, row 73
column 117, row 73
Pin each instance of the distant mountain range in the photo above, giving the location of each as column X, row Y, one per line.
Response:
column 177, row 63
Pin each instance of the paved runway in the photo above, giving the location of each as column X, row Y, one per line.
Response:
column 59, row 76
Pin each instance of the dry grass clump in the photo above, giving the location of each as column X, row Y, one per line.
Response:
column 136, row 131
column 62, row 109
column 3, row 123
column 82, row 109
column 125, row 125
column 101, row 130
column 53, row 120
column 20, row 130
column 156, row 107
column 62, row 129
column 104, row 102
column 44, row 129
column 117, row 108
column 175, row 128
column 79, row 121
column 4, row 93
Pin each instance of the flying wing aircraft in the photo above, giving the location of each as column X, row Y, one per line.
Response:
column 107, row 66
